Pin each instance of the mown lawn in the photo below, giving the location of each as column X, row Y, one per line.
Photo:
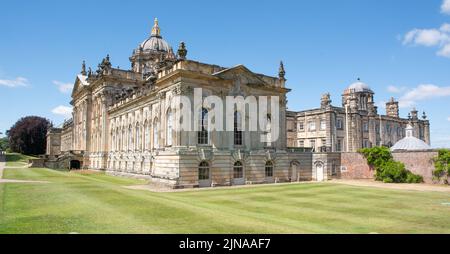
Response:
column 17, row 160
column 97, row 203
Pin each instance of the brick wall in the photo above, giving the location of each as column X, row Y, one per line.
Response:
column 354, row 166
column 418, row 162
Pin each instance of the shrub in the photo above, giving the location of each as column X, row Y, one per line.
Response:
column 442, row 164
column 388, row 170
column 412, row 178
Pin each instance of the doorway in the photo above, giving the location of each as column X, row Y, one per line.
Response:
column 75, row 164
column 319, row 172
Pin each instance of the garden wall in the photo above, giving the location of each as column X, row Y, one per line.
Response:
column 354, row 166
column 418, row 162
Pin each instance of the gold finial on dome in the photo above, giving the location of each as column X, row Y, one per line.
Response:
column 156, row 31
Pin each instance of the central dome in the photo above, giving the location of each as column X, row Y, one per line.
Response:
column 156, row 42
column 359, row 87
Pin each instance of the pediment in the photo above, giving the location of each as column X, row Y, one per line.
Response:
column 242, row 75
column 80, row 83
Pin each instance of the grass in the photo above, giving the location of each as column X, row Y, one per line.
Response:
column 98, row 203
column 17, row 160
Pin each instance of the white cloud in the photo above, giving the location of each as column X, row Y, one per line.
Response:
column 64, row 111
column 395, row 89
column 63, row 87
column 19, row 81
column 425, row 37
column 435, row 37
column 445, row 7
column 421, row 93
column 448, row 119
column 445, row 51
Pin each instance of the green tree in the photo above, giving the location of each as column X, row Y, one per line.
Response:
column 4, row 143
column 28, row 135
column 386, row 169
column 442, row 164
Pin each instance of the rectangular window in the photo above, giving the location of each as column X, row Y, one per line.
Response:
column 312, row 144
column 301, row 126
column 301, row 143
column 339, row 124
column 366, row 127
column 366, row 144
column 339, row 145
column 323, row 125
column 312, row 126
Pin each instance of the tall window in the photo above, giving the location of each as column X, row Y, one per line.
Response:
column 238, row 170
column 323, row 125
column 202, row 134
column 117, row 148
column 301, row 126
column 339, row 124
column 269, row 169
column 130, row 138
column 112, row 137
column 312, row 144
column 146, row 135
column 138, row 138
column 366, row 127
column 169, row 127
column 339, row 145
column 269, row 130
column 124, row 139
column 203, row 171
column 155, row 133
column 237, row 128
column 312, row 126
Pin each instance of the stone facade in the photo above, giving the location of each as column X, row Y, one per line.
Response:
column 123, row 122
column 355, row 125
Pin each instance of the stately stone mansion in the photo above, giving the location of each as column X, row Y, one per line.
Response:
column 123, row 123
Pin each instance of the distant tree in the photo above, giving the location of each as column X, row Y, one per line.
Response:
column 28, row 135
column 4, row 143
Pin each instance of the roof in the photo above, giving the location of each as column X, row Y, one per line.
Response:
column 410, row 143
column 358, row 87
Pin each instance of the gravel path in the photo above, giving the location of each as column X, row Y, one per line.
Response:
column 2, row 167
column 395, row 186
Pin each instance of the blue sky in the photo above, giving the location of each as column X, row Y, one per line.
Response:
column 400, row 48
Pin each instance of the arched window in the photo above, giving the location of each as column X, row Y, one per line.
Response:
column 269, row 130
column 117, row 148
column 146, row 135
column 138, row 138
column 124, row 139
column 238, row 170
column 269, row 169
column 155, row 133
column 169, row 128
column 237, row 128
column 130, row 138
column 202, row 134
column 203, row 171
column 111, row 138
